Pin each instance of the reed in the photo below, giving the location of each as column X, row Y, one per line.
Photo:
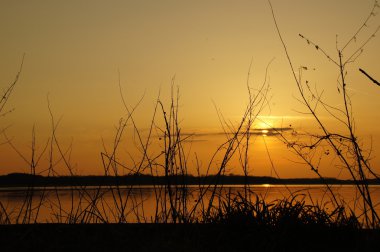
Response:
column 174, row 198
column 344, row 144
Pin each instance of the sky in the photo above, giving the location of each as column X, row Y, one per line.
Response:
column 77, row 52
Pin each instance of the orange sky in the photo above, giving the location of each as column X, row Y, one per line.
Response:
column 74, row 50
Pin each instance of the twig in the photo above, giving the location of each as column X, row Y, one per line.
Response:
column 369, row 77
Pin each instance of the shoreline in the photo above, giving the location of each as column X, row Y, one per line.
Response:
column 29, row 180
column 183, row 237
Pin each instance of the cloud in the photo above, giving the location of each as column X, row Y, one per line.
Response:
column 257, row 131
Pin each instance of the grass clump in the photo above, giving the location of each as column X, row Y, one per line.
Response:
column 288, row 213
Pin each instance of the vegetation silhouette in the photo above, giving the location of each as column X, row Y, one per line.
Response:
column 345, row 143
column 369, row 77
column 215, row 220
column 25, row 180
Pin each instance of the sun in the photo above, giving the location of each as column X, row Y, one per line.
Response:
column 264, row 125
column 264, row 131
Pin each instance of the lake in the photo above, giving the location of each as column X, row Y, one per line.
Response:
column 141, row 204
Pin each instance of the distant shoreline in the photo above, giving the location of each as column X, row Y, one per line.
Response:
column 25, row 180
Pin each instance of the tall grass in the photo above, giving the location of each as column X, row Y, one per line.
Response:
column 344, row 144
column 174, row 201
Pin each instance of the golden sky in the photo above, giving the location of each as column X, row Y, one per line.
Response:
column 75, row 49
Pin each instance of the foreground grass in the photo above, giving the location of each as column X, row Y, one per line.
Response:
column 235, row 225
column 287, row 214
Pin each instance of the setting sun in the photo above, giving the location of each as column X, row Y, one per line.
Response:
column 264, row 132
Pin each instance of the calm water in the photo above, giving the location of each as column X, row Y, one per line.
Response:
column 149, row 203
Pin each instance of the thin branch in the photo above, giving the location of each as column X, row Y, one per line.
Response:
column 369, row 77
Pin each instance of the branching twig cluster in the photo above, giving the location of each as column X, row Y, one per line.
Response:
column 344, row 143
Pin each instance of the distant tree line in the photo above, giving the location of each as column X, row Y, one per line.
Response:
column 23, row 179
